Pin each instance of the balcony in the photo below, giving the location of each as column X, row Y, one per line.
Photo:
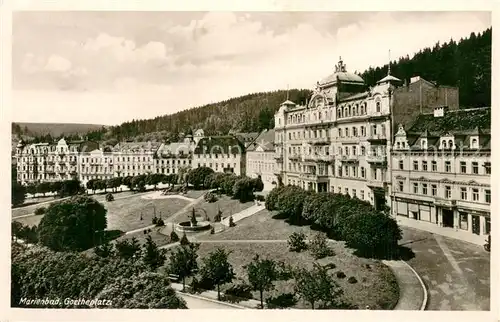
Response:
column 73, row 162
column 312, row 176
column 376, row 159
column 319, row 141
column 442, row 202
column 294, row 157
column 349, row 158
column 377, row 139
column 376, row 184
column 279, row 158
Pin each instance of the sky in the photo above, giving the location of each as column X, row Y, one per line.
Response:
column 109, row 67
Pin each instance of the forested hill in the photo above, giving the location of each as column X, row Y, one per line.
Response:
column 247, row 113
column 466, row 64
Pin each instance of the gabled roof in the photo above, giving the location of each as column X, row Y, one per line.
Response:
column 175, row 148
column 219, row 144
column 265, row 140
column 136, row 146
column 247, row 138
column 454, row 122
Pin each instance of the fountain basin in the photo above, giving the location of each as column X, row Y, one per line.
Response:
column 185, row 226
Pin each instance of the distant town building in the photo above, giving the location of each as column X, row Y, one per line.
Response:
column 134, row 158
column 41, row 162
column 261, row 159
column 171, row 157
column 441, row 168
column 220, row 153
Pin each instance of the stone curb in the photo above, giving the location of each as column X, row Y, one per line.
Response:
column 424, row 301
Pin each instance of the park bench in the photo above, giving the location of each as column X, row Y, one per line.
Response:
column 173, row 277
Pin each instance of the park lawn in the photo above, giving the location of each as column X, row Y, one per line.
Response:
column 260, row 226
column 194, row 194
column 124, row 214
column 376, row 286
column 30, row 221
column 227, row 205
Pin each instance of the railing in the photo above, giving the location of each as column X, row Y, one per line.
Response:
column 377, row 137
column 444, row 202
column 376, row 183
column 376, row 159
column 318, row 141
column 349, row 158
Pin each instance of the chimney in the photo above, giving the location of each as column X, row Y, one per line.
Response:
column 440, row 111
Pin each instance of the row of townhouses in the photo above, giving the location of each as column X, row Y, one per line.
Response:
column 404, row 145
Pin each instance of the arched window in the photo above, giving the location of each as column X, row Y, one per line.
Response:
column 339, row 113
column 357, row 109
column 345, row 112
column 474, row 143
column 319, row 116
column 399, row 145
column 378, row 106
column 450, row 143
column 443, row 144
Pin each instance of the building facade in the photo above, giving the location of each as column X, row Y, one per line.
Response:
column 96, row 164
column 340, row 140
column 41, row 162
column 171, row 157
column 261, row 161
column 221, row 154
column 134, row 158
column 442, row 168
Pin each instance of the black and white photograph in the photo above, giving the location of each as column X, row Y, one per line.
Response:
column 251, row 160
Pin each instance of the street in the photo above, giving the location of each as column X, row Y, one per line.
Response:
column 456, row 273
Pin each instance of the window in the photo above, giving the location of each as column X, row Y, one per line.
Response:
column 362, row 194
column 463, row 167
column 475, row 168
column 434, row 166
column 475, row 194
column 415, row 165
column 363, row 172
column 401, row 165
column 424, row 165
column 463, row 193
column 363, row 150
column 487, row 196
column 415, row 187
column 424, row 188
column 487, row 167
column 378, row 106
column 443, row 144
column 447, row 192
column 464, row 222
column 423, row 144
column 473, row 143
column 362, row 131
column 401, row 186
column 447, row 166
column 354, row 193
column 353, row 150
column 346, row 191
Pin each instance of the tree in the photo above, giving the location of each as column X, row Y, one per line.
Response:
column 228, row 183
column 297, row 242
column 184, row 240
column 316, row 286
column 197, row 176
column 109, row 197
column 18, row 193
column 373, row 234
column 258, row 185
column 128, row 248
column 43, row 188
column 319, row 246
column 261, row 275
column 182, row 262
column 16, row 227
column 72, row 224
column 127, row 181
column 271, row 202
column 70, row 188
column 290, row 203
column 148, row 290
column 152, row 256
column 266, row 119
column 243, row 189
column 104, row 250
column 216, row 268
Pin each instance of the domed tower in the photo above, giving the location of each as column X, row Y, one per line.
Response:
column 341, row 83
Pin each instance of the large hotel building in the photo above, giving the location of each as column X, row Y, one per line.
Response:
column 405, row 145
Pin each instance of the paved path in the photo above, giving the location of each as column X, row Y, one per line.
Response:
column 443, row 231
column 412, row 291
column 212, row 297
column 456, row 273
column 243, row 214
column 198, row 302
column 159, row 195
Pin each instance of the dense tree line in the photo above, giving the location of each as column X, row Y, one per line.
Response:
column 466, row 64
column 370, row 232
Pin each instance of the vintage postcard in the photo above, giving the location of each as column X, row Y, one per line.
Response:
column 279, row 161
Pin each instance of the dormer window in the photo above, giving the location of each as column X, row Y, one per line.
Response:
column 450, row 144
column 423, row 144
column 474, row 143
column 443, row 144
column 378, row 106
column 399, row 145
